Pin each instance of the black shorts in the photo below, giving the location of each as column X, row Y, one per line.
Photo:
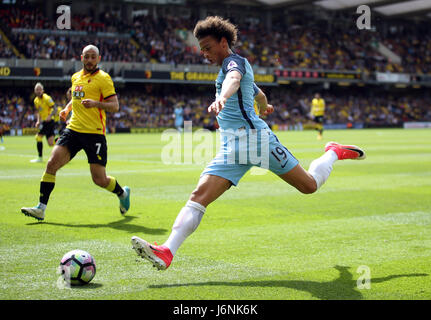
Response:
column 318, row 119
column 60, row 126
column 94, row 145
column 47, row 128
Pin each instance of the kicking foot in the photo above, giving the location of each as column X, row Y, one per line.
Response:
column 160, row 256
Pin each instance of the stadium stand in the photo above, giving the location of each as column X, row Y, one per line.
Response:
column 292, row 45
column 156, row 107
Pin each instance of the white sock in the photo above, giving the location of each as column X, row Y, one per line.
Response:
column 185, row 224
column 41, row 206
column 321, row 168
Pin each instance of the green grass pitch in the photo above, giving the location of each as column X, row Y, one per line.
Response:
column 260, row 240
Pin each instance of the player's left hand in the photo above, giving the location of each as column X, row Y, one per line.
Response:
column 269, row 110
column 217, row 105
column 88, row 103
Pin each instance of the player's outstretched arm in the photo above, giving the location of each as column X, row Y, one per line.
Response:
column 230, row 85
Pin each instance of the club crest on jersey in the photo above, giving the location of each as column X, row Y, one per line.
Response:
column 231, row 65
column 78, row 93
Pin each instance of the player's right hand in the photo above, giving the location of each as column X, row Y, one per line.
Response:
column 37, row 124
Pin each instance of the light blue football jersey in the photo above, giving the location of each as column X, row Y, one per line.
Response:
column 239, row 111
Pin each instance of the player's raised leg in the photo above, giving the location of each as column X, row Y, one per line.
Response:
column 320, row 169
column 209, row 188
column 59, row 157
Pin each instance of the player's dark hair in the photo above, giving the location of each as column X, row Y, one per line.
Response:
column 218, row 28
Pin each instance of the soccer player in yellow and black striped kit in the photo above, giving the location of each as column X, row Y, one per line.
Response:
column 318, row 113
column 93, row 94
column 46, row 110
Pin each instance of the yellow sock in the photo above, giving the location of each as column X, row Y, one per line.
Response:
column 111, row 186
column 47, row 177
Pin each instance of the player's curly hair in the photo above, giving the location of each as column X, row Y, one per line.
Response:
column 218, row 28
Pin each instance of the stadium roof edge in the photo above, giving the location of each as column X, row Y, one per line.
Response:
column 388, row 8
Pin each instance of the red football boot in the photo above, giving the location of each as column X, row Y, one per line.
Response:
column 160, row 256
column 346, row 151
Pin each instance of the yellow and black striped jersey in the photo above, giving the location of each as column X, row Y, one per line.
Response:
column 318, row 107
column 98, row 86
column 57, row 114
column 44, row 106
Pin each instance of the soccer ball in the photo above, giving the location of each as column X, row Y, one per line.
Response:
column 77, row 267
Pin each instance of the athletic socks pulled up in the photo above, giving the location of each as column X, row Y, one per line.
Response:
column 321, row 168
column 185, row 224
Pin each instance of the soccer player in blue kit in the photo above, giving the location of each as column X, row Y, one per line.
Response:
column 179, row 117
column 239, row 125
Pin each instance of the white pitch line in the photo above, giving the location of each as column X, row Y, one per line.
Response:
column 113, row 157
column 86, row 173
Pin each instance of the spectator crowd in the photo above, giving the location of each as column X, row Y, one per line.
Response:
column 154, row 107
column 163, row 39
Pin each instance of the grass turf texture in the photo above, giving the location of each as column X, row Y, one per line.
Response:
column 261, row 240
